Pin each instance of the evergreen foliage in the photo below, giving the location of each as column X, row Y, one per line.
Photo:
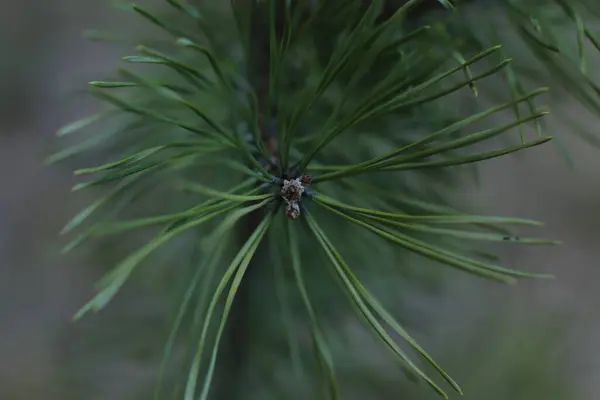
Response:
column 278, row 147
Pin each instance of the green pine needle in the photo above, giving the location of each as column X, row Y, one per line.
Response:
column 350, row 283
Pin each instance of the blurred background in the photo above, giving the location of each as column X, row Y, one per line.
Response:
column 533, row 341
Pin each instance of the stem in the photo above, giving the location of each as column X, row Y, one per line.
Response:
column 237, row 342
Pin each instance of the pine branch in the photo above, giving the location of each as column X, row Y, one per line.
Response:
column 321, row 113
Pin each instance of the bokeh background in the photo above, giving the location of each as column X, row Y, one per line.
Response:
column 534, row 341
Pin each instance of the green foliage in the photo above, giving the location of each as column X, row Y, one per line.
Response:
column 337, row 114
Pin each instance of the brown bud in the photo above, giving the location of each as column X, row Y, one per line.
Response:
column 306, row 179
column 292, row 190
column 292, row 210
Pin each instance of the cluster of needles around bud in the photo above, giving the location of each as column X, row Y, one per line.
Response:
column 292, row 190
column 292, row 186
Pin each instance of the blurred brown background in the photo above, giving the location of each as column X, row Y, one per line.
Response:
column 44, row 58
